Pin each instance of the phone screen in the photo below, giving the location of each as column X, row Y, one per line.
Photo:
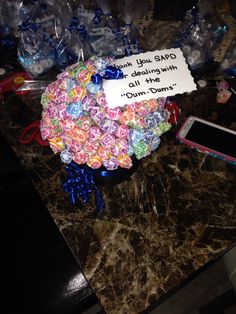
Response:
column 213, row 138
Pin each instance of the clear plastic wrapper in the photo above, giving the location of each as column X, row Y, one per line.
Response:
column 104, row 32
column 32, row 88
column 130, row 10
column 194, row 41
column 10, row 12
column 73, row 46
column 43, row 14
column 103, row 27
column 46, row 16
column 42, row 29
column 85, row 16
column 28, row 11
column 104, row 16
column 228, row 64
column 35, row 54
column 63, row 12
column 213, row 23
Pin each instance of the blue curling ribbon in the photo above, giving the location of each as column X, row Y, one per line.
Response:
column 98, row 14
column 27, row 25
column 111, row 73
column 96, row 79
column 75, row 24
column 97, row 18
column 79, row 184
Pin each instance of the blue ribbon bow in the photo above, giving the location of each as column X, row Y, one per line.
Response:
column 97, row 18
column 28, row 25
column 111, row 73
column 80, row 183
column 75, row 24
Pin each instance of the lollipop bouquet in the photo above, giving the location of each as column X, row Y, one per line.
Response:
column 80, row 126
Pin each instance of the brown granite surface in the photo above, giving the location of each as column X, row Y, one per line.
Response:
column 175, row 214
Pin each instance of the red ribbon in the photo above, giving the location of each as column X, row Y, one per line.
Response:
column 32, row 133
column 174, row 112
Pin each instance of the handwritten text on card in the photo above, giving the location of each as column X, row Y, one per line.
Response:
column 149, row 75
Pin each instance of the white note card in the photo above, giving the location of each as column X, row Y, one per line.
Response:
column 148, row 75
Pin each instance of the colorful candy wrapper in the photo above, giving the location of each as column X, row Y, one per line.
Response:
column 81, row 157
column 111, row 164
column 98, row 115
column 56, row 144
column 109, row 126
column 122, row 131
column 125, row 161
column 95, row 133
column 107, row 140
column 94, row 162
column 142, row 149
column 66, row 156
column 104, row 153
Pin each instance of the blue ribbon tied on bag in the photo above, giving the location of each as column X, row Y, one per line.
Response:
column 29, row 25
column 97, row 16
column 75, row 24
column 110, row 73
column 98, row 13
column 80, row 183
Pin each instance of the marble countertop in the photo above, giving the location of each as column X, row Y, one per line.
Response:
column 174, row 215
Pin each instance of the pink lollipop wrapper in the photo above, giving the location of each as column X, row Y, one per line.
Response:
column 84, row 123
column 91, row 147
column 122, row 131
column 94, row 162
column 104, row 153
column 94, row 133
column 107, row 140
column 125, row 161
column 80, row 157
column 113, row 114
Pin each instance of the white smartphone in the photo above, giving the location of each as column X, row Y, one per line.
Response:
column 209, row 138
